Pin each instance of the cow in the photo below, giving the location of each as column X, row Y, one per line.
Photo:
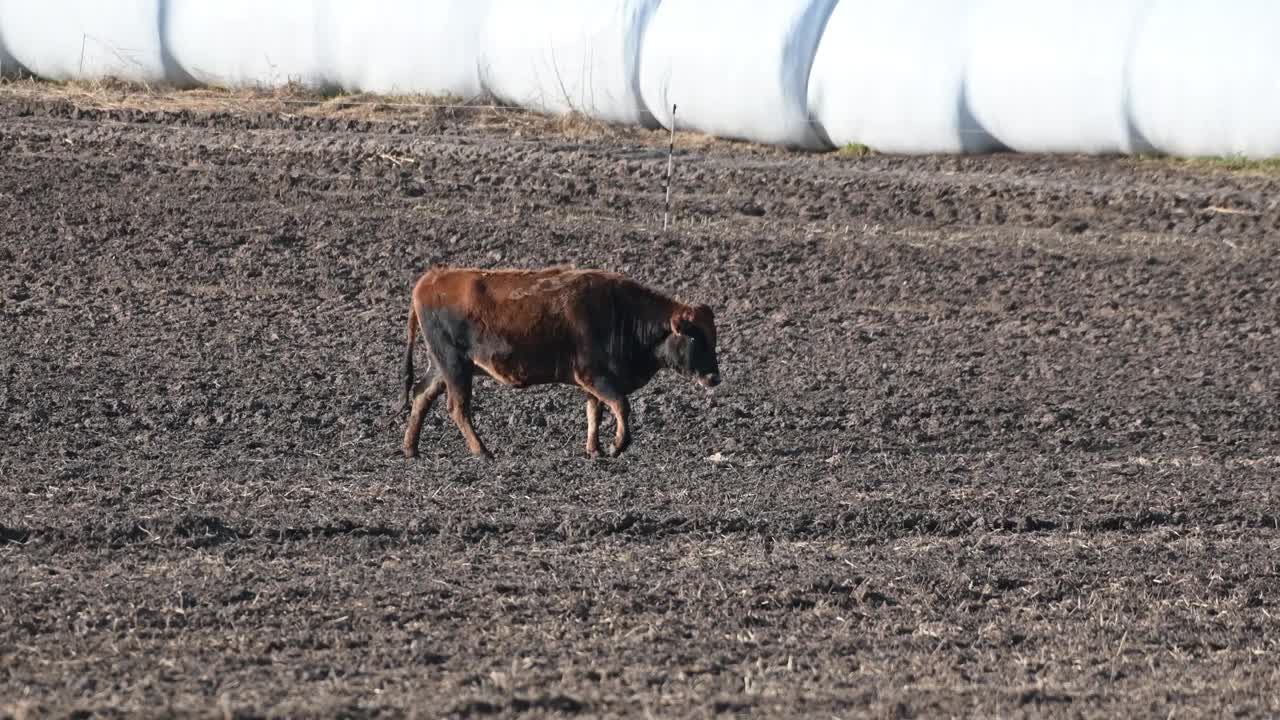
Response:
column 603, row 332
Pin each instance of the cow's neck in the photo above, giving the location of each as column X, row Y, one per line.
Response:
column 647, row 332
column 657, row 329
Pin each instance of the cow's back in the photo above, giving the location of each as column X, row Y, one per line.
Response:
column 513, row 303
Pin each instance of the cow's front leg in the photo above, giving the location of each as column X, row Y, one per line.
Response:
column 603, row 389
column 593, row 425
column 621, row 410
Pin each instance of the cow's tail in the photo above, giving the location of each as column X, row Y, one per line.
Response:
column 408, row 355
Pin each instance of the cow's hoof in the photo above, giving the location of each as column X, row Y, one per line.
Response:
column 593, row 453
column 408, row 453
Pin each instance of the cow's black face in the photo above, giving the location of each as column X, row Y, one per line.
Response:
column 702, row 360
column 691, row 348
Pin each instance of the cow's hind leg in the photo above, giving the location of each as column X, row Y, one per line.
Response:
column 460, row 410
column 424, row 396
column 458, row 372
column 455, row 368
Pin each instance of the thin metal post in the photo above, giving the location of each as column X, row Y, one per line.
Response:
column 671, row 150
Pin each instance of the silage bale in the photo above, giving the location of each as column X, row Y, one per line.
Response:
column 561, row 56
column 735, row 69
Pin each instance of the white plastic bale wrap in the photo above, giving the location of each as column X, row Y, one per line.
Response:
column 84, row 39
column 408, row 46
column 8, row 66
column 1205, row 78
column 735, row 68
column 1052, row 76
column 890, row 75
column 560, row 56
column 1187, row 77
column 251, row 43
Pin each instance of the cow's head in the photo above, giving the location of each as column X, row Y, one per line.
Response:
column 691, row 348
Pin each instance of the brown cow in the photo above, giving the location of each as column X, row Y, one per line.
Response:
column 598, row 330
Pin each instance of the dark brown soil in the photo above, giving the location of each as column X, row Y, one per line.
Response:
column 998, row 436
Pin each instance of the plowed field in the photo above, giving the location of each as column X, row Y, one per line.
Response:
column 998, row 435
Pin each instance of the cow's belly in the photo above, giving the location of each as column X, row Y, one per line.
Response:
column 519, row 373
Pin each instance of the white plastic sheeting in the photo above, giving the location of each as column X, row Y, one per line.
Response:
column 1053, row 77
column 1205, row 78
column 407, row 46
column 891, row 75
column 69, row 39
column 8, row 66
column 237, row 43
column 735, row 68
column 1187, row 77
column 560, row 56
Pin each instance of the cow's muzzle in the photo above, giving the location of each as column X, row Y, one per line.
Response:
column 711, row 380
